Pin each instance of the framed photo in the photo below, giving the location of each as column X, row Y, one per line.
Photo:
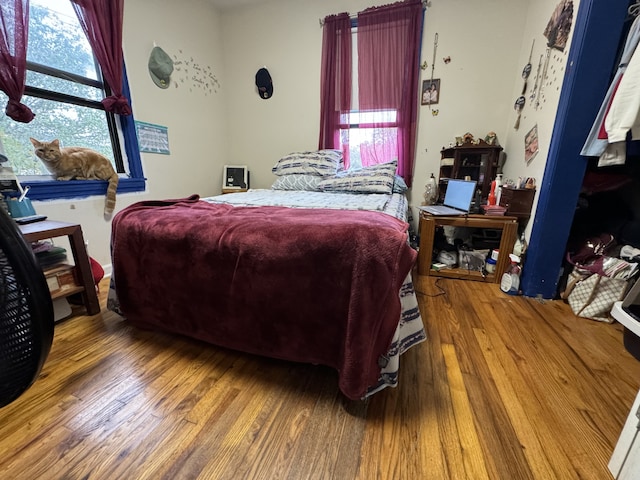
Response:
column 430, row 91
column 531, row 144
column 235, row 177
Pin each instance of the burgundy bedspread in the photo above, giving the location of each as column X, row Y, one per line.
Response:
column 315, row 286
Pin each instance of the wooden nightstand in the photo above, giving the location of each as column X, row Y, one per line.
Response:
column 518, row 202
column 233, row 190
column 33, row 232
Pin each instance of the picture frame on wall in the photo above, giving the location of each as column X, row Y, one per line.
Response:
column 531, row 147
column 235, row 178
column 430, row 91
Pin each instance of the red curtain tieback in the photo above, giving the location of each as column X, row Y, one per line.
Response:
column 19, row 111
column 117, row 104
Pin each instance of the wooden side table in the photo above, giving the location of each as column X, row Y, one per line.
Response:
column 33, row 232
column 233, row 190
column 428, row 224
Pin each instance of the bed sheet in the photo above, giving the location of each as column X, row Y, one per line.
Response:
column 395, row 204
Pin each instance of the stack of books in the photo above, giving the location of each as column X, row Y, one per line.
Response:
column 493, row 209
column 52, row 257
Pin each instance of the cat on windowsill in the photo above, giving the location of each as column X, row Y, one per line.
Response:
column 79, row 163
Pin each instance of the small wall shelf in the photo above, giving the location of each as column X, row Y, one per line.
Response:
column 477, row 161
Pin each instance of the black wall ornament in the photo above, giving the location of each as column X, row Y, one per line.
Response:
column 264, row 83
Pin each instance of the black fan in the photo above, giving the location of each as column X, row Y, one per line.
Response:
column 26, row 313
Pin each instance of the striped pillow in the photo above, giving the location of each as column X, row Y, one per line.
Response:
column 321, row 163
column 374, row 179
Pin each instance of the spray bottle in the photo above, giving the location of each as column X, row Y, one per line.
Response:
column 511, row 278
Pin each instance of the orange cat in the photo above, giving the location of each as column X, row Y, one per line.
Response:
column 80, row 163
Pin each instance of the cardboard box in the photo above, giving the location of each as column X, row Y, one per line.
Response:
column 60, row 277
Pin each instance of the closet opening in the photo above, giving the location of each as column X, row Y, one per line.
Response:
column 608, row 205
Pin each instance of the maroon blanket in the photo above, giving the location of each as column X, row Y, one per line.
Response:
column 316, row 286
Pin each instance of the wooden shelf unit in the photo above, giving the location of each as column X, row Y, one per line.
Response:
column 428, row 224
column 479, row 162
column 33, row 232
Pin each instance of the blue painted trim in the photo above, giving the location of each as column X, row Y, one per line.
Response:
column 597, row 30
column 53, row 189
column 128, row 125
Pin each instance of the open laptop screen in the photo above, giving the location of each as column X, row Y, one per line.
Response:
column 459, row 194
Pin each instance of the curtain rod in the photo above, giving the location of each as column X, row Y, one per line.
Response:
column 354, row 16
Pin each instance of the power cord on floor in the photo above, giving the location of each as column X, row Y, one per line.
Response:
column 435, row 284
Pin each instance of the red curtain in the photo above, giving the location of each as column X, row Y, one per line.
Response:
column 388, row 80
column 14, row 31
column 101, row 21
column 335, row 82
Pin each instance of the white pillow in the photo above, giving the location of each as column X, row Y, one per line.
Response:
column 297, row 182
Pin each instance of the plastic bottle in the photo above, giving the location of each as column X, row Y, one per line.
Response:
column 491, row 200
column 490, row 265
column 520, row 246
column 498, row 188
column 430, row 191
column 523, row 247
column 511, row 278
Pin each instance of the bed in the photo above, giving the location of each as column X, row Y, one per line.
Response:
column 312, row 277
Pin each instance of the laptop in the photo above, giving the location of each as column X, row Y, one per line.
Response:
column 457, row 200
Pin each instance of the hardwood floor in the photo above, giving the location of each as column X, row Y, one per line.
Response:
column 504, row 388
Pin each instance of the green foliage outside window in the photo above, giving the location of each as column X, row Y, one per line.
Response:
column 57, row 41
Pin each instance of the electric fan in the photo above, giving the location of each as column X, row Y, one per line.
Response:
column 26, row 313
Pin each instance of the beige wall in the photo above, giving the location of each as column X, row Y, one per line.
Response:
column 286, row 36
column 488, row 42
column 195, row 119
column 537, row 14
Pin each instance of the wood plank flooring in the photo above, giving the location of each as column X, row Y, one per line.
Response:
column 504, row 388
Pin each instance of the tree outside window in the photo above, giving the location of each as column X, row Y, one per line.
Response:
column 64, row 88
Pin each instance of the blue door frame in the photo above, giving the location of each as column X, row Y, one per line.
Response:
column 597, row 30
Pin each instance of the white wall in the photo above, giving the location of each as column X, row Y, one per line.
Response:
column 195, row 120
column 544, row 114
column 484, row 41
column 285, row 35
column 488, row 42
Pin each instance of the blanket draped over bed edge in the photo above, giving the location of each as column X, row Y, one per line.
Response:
column 315, row 286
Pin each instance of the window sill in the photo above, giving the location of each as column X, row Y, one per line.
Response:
column 54, row 189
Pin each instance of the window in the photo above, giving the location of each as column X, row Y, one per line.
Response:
column 64, row 87
column 379, row 57
column 372, row 134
